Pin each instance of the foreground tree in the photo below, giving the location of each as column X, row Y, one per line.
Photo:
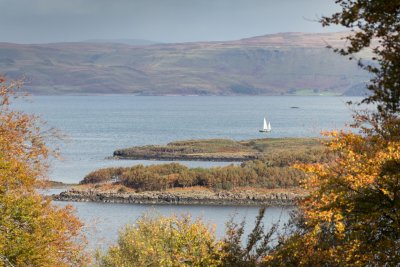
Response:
column 164, row 241
column 33, row 232
column 352, row 216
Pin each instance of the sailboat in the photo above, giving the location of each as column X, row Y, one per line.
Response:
column 266, row 127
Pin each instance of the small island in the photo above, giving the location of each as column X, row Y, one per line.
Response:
column 217, row 149
column 265, row 176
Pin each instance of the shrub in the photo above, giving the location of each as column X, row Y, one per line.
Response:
column 272, row 171
column 163, row 241
column 102, row 175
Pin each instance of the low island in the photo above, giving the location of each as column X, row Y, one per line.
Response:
column 218, row 149
column 265, row 175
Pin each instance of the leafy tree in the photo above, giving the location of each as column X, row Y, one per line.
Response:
column 352, row 216
column 375, row 25
column 163, row 241
column 33, row 232
column 255, row 251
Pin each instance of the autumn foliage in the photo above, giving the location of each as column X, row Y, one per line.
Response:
column 352, row 216
column 33, row 232
column 164, row 241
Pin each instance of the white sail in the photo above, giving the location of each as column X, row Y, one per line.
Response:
column 266, row 126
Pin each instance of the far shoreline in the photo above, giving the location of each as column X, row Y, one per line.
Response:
column 29, row 93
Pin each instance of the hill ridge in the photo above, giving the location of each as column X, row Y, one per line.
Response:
column 274, row 64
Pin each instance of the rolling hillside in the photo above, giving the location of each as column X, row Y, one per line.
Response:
column 288, row 63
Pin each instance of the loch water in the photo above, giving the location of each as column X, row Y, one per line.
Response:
column 96, row 125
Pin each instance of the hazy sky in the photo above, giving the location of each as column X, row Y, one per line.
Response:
column 38, row 21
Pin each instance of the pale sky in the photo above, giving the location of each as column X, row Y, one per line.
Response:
column 41, row 21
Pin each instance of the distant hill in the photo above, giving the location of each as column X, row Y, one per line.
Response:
column 277, row 64
column 123, row 41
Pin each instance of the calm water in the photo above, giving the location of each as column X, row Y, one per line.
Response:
column 97, row 125
column 102, row 221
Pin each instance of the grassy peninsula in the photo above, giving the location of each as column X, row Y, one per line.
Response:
column 221, row 149
column 265, row 176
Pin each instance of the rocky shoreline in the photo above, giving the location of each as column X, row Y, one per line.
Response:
column 119, row 155
column 243, row 198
